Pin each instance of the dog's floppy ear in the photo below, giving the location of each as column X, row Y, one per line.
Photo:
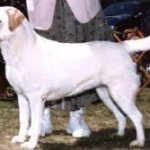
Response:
column 15, row 18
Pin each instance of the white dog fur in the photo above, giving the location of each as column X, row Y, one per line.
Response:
column 43, row 70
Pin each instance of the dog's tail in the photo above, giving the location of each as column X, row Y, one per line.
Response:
column 137, row 45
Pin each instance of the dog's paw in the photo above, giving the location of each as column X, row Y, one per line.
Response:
column 29, row 145
column 137, row 143
column 18, row 139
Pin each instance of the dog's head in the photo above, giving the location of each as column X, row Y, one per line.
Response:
column 10, row 19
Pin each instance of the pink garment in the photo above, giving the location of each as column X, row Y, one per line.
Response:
column 41, row 12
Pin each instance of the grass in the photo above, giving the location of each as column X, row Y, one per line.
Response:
column 99, row 118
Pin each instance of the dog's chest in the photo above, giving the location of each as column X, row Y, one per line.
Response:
column 14, row 78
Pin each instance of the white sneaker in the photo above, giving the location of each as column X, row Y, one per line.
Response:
column 77, row 125
column 46, row 124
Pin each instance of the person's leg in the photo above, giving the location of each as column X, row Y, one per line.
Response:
column 77, row 125
column 46, row 124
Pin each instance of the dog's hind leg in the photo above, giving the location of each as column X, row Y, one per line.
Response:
column 123, row 93
column 46, row 124
column 105, row 97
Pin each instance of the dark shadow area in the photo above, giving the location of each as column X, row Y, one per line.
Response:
column 101, row 140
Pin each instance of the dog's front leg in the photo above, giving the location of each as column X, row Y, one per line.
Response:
column 23, row 119
column 37, row 106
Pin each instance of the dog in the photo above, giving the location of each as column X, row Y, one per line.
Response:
column 43, row 70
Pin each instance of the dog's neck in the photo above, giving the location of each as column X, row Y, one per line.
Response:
column 22, row 37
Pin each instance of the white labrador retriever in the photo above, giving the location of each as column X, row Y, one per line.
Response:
column 43, row 70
